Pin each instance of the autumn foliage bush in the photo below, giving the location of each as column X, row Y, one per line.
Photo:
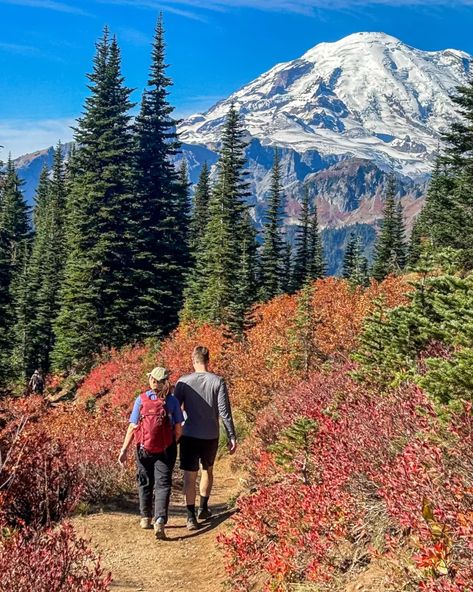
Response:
column 51, row 560
column 305, row 501
column 345, row 477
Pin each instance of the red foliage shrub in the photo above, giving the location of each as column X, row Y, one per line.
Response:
column 50, row 561
column 92, row 441
column 121, row 377
column 38, row 481
column 335, row 464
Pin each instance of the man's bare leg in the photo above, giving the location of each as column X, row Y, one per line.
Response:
column 205, row 487
column 190, row 479
column 206, row 482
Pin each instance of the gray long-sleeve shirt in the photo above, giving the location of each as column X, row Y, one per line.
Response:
column 205, row 398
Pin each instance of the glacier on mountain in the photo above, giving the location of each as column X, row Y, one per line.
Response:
column 366, row 96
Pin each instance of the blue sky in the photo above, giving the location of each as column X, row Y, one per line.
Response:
column 214, row 47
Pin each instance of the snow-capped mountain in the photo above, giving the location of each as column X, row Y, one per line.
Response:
column 367, row 96
column 344, row 116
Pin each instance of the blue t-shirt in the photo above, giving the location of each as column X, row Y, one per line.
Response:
column 172, row 406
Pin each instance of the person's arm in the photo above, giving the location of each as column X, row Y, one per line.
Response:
column 134, row 419
column 178, row 431
column 177, row 417
column 126, row 443
column 225, row 412
column 179, row 393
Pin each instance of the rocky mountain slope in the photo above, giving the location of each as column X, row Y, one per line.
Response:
column 344, row 116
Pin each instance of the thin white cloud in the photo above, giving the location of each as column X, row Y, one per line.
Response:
column 294, row 6
column 133, row 36
column 48, row 5
column 157, row 6
column 22, row 136
column 18, row 48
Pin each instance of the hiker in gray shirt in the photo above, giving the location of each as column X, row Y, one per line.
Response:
column 204, row 398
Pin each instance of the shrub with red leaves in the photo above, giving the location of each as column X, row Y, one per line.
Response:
column 52, row 560
column 39, row 482
column 343, row 476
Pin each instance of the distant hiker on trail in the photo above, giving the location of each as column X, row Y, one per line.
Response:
column 155, row 426
column 36, row 383
column 204, row 397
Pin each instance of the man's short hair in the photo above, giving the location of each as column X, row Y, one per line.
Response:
column 201, row 355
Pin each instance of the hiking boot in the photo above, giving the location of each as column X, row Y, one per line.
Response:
column 204, row 513
column 192, row 523
column 145, row 523
column 159, row 529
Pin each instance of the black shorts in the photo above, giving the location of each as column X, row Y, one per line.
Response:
column 195, row 450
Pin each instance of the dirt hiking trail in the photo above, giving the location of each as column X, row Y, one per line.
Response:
column 187, row 561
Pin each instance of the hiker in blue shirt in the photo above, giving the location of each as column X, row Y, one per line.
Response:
column 155, row 425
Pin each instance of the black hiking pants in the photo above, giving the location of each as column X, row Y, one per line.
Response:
column 154, row 473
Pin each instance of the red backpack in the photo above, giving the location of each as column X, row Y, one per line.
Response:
column 154, row 432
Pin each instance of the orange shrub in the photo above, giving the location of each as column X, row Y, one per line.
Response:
column 176, row 350
column 341, row 310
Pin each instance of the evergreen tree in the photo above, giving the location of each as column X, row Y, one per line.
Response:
column 427, row 341
column 21, row 300
column 224, row 239
column 355, row 264
column 246, row 287
column 14, row 246
column 448, row 211
column 316, row 263
column 97, row 292
column 301, row 262
column 5, row 309
column 13, row 212
column 272, row 250
column 348, row 258
column 196, row 279
column 400, row 237
column 415, row 243
column 286, row 282
column 390, row 257
column 302, row 335
column 161, row 249
column 440, row 217
column 200, row 209
column 46, row 270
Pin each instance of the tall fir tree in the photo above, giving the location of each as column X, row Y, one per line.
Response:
column 441, row 218
column 98, row 291
column 46, row 270
column 161, row 246
column 196, row 278
column 302, row 256
column 246, row 287
column 200, row 207
column 400, row 238
column 272, row 253
column 448, row 213
column 224, row 243
column 28, row 284
column 414, row 251
column 14, row 254
column 390, row 255
column 286, row 282
column 355, row 264
column 5, row 309
column 316, row 267
column 13, row 212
